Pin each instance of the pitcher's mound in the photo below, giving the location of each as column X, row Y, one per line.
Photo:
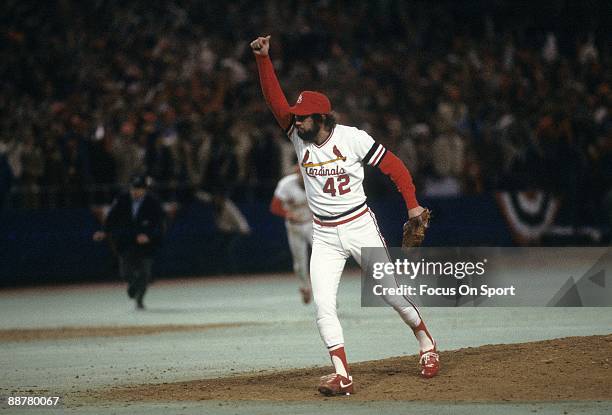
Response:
column 568, row 369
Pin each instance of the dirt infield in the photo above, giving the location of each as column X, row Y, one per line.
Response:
column 567, row 369
column 24, row 335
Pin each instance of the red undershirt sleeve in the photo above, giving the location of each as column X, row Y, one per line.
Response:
column 276, row 207
column 273, row 94
column 397, row 171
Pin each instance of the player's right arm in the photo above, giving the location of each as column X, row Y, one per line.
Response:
column 276, row 207
column 106, row 223
column 272, row 91
column 376, row 155
column 109, row 222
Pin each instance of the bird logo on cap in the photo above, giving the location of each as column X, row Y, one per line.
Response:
column 311, row 102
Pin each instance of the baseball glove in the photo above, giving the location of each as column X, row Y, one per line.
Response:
column 414, row 229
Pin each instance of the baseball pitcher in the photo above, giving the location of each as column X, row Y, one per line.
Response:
column 332, row 159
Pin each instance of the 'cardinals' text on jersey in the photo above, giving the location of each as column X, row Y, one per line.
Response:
column 333, row 171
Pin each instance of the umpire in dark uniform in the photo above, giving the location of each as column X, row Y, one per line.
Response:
column 135, row 225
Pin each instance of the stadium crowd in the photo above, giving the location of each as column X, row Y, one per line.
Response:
column 473, row 100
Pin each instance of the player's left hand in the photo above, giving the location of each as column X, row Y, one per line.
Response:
column 415, row 211
column 414, row 229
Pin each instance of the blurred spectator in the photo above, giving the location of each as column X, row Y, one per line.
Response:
column 128, row 155
column 407, row 149
column 103, row 168
column 76, row 162
column 448, row 152
column 158, row 88
column 6, row 175
column 32, row 169
column 55, row 172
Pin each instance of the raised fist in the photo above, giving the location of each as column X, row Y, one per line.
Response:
column 261, row 45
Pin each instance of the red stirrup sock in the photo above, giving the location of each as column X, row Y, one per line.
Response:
column 338, row 358
column 426, row 342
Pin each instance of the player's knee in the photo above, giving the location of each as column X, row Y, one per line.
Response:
column 327, row 321
column 325, row 306
column 396, row 301
column 409, row 314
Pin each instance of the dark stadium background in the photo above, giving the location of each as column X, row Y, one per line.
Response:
column 482, row 99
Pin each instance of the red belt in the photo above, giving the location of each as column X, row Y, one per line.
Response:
column 342, row 219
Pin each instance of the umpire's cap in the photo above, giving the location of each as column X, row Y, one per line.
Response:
column 140, row 181
column 311, row 102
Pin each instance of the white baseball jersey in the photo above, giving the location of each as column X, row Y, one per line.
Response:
column 291, row 193
column 333, row 171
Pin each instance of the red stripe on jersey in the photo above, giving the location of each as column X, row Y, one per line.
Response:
column 332, row 224
column 377, row 155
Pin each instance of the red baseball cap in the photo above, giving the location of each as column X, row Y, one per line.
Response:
column 311, row 102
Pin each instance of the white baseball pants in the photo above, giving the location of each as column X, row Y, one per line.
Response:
column 300, row 238
column 332, row 245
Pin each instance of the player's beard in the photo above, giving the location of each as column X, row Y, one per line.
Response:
column 310, row 135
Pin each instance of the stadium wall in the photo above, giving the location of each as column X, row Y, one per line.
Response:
column 53, row 246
